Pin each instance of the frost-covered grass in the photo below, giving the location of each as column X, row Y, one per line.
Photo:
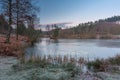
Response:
column 12, row 69
column 38, row 74
column 34, row 71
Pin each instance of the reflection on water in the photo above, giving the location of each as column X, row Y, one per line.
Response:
column 87, row 48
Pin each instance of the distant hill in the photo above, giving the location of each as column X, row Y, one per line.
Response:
column 103, row 27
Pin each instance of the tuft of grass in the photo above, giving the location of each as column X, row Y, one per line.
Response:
column 97, row 65
column 104, row 64
column 114, row 60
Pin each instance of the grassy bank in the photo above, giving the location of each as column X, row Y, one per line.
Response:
column 58, row 68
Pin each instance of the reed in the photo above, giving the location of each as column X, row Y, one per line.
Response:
column 56, row 60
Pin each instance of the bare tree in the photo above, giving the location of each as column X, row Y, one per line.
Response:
column 7, row 10
column 24, row 10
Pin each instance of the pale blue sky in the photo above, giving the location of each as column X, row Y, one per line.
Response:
column 77, row 11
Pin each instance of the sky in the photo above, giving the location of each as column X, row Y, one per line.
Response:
column 77, row 11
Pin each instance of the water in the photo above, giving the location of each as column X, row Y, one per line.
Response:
column 87, row 48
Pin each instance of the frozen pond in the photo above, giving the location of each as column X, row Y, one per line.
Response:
column 87, row 48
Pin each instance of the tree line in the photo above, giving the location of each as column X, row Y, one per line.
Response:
column 102, row 27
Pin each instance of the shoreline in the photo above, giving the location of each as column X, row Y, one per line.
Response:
column 87, row 38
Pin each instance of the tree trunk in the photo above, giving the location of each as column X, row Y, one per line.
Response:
column 10, row 21
column 17, row 18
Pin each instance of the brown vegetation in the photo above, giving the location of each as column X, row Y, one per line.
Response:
column 13, row 48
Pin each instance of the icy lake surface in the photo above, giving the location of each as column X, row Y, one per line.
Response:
column 87, row 48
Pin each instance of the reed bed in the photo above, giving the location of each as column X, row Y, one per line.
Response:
column 60, row 59
column 60, row 67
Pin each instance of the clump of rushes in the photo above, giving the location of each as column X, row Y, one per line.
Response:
column 65, row 60
column 104, row 64
column 114, row 60
column 97, row 65
column 45, row 61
